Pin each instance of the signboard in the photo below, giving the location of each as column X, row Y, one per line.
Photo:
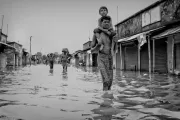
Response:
column 146, row 19
column 151, row 16
column 155, row 14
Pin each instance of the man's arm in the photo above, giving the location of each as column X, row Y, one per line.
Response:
column 94, row 41
column 114, row 43
column 94, row 46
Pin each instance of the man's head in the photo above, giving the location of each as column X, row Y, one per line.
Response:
column 103, row 11
column 105, row 22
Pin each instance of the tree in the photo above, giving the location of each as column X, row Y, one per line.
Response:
column 56, row 54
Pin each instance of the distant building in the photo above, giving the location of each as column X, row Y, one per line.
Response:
column 15, row 57
column 5, row 50
column 77, row 58
column 89, row 58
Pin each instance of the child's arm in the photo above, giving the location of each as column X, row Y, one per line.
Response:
column 104, row 30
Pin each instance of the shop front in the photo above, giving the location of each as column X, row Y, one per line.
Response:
column 167, row 50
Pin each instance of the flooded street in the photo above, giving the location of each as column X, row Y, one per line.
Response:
column 32, row 93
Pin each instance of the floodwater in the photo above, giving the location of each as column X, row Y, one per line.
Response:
column 33, row 93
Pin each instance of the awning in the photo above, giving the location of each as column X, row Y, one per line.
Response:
column 167, row 32
column 131, row 37
column 8, row 46
column 138, row 35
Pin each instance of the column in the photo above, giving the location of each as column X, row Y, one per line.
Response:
column 3, row 60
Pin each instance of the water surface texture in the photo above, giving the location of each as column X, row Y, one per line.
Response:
column 35, row 93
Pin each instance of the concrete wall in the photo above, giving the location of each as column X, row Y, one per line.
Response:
column 157, row 16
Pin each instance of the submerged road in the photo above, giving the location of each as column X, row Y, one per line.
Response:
column 32, row 93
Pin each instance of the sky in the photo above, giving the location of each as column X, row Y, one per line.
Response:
column 58, row 24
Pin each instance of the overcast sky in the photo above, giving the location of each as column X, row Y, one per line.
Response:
column 56, row 24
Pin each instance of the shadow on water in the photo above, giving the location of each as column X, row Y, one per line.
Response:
column 64, row 75
column 51, row 72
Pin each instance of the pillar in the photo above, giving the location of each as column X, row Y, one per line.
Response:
column 3, row 60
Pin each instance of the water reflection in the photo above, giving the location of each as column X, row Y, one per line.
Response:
column 51, row 71
column 64, row 75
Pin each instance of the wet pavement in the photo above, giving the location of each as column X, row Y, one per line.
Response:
column 32, row 93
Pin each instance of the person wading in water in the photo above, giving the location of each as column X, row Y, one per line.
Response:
column 105, row 60
column 51, row 62
column 64, row 60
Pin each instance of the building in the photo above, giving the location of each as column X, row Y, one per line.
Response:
column 5, row 50
column 89, row 58
column 77, row 58
column 15, row 58
column 149, row 40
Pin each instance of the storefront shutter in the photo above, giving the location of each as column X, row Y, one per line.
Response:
column 131, row 57
column 161, row 55
column 177, row 56
column 144, row 58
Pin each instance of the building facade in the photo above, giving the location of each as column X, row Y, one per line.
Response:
column 149, row 40
column 15, row 57
column 5, row 50
column 89, row 58
column 77, row 58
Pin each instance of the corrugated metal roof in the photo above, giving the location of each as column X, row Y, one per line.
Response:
column 167, row 32
column 136, row 35
column 131, row 37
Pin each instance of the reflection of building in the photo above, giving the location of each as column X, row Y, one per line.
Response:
column 15, row 58
column 5, row 49
column 89, row 58
column 150, row 40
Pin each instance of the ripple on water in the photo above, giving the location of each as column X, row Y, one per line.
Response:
column 136, row 96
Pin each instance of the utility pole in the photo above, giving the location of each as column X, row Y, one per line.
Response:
column 7, row 29
column 89, row 36
column 30, row 50
column 117, row 14
column 2, row 22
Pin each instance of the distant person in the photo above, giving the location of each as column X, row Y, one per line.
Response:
column 105, row 60
column 103, row 11
column 64, row 60
column 51, row 61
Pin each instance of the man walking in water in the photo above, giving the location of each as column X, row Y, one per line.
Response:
column 64, row 60
column 105, row 60
column 51, row 62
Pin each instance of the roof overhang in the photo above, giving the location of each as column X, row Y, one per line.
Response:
column 7, row 46
column 168, row 32
column 134, row 37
